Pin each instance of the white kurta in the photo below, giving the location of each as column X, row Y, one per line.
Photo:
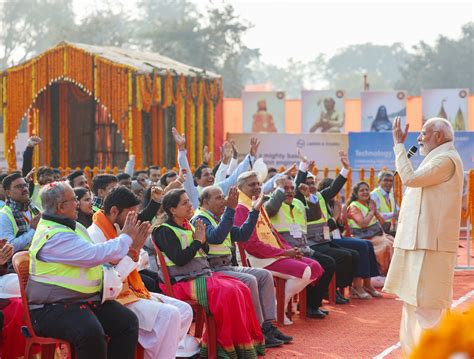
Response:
column 163, row 324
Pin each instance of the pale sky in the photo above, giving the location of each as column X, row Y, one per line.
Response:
column 302, row 29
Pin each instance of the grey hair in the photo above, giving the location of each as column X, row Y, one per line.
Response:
column 442, row 125
column 383, row 174
column 52, row 194
column 244, row 177
column 206, row 193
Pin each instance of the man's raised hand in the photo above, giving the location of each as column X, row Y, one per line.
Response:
column 254, row 144
column 233, row 198
column 179, row 139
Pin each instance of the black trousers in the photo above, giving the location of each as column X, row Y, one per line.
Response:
column 314, row 294
column 151, row 280
column 347, row 262
column 97, row 331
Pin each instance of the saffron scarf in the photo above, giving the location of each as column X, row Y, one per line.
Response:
column 264, row 228
column 133, row 288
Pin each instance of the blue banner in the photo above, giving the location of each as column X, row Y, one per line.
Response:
column 375, row 149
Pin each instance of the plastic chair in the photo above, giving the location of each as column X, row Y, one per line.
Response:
column 200, row 313
column 21, row 264
column 280, row 293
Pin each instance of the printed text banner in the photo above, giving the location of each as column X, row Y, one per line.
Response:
column 282, row 149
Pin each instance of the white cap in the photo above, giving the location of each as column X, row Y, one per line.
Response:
column 261, row 169
column 9, row 286
column 112, row 283
column 187, row 347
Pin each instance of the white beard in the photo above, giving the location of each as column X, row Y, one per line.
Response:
column 423, row 151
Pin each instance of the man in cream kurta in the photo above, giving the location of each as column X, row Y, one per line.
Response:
column 422, row 268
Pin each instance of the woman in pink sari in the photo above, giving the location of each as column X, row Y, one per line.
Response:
column 183, row 246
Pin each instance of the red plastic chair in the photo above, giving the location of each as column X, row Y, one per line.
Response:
column 280, row 293
column 21, row 264
column 201, row 316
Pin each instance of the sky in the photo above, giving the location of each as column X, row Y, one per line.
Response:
column 302, row 29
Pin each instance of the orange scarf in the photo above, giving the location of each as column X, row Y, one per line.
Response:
column 264, row 228
column 133, row 288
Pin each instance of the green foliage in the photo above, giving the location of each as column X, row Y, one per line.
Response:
column 448, row 64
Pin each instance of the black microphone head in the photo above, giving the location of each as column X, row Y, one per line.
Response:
column 412, row 151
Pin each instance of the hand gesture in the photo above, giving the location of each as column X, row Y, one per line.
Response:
column 140, row 238
column 302, row 157
column 227, row 152
column 179, row 139
column 344, row 160
column 233, row 198
column 290, row 170
column 34, row 141
column 399, row 136
column 35, row 220
column 200, row 231
column 291, row 253
column 372, row 206
column 156, row 193
column 235, row 153
column 304, row 189
column 130, row 227
column 254, row 144
column 257, row 203
column 280, row 181
column 6, row 252
column 177, row 183
column 29, row 176
column 206, row 155
column 311, row 166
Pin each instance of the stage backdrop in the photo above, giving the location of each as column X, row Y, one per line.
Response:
column 318, row 107
column 282, row 149
column 379, row 109
column 368, row 149
column 263, row 111
column 450, row 104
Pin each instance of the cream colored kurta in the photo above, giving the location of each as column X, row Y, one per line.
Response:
column 422, row 268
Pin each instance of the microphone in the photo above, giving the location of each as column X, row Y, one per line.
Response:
column 410, row 153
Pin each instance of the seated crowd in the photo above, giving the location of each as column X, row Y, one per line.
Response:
column 224, row 234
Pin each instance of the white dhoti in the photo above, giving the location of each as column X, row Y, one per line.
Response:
column 161, row 325
column 423, row 280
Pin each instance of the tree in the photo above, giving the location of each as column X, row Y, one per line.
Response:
column 211, row 40
column 30, row 27
column 380, row 62
column 448, row 64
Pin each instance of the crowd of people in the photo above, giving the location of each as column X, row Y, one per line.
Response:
column 94, row 276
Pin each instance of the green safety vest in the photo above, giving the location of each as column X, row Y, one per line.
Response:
column 185, row 238
column 222, row 249
column 7, row 211
column 35, row 197
column 384, row 206
column 364, row 211
column 283, row 218
column 324, row 211
column 83, row 280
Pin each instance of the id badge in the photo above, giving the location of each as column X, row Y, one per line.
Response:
column 336, row 234
column 326, row 233
column 295, row 231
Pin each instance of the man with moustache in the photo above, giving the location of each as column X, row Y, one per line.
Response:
column 422, row 268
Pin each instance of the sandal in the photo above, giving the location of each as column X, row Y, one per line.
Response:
column 359, row 294
column 373, row 292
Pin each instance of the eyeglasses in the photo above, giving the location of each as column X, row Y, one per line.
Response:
column 75, row 199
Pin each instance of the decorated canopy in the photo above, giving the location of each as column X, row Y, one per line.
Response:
column 95, row 105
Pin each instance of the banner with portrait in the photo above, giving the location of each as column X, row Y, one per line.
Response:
column 379, row 109
column 450, row 104
column 263, row 111
column 322, row 111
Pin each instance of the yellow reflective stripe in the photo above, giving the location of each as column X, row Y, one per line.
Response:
column 8, row 212
column 83, row 282
column 364, row 211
